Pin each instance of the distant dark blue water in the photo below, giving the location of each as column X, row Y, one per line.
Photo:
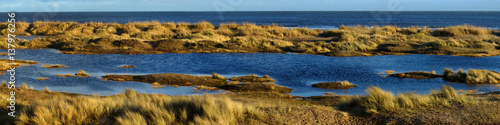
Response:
column 310, row 19
column 291, row 70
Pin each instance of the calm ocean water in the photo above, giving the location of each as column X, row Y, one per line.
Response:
column 311, row 19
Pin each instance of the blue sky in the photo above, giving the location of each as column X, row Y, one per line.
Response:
column 247, row 5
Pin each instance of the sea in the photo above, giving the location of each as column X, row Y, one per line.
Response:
column 309, row 19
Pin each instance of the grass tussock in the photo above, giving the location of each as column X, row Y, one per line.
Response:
column 42, row 78
column 20, row 27
column 64, row 75
column 4, row 66
column 462, row 30
column 417, row 75
column 472, row 76
column 218, row 76
column 127, row 66
column 46, row 89
column 389, row 72
column 82, row 73
column 4, row 63
column 379, row 100
column 252, row 78
column 54, row 66
column 134, row 108
column 24, row 85
column 334, row 85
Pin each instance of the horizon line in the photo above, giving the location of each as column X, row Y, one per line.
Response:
column 276, row 11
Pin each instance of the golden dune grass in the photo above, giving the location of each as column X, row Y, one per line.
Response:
column 379, row 100
column 202, row 37
column 472, row 76
column 334, row 85
column 134, row 108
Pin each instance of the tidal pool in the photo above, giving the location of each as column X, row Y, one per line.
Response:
column 297, row 71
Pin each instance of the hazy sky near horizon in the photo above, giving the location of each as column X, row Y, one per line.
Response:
column 248, row 5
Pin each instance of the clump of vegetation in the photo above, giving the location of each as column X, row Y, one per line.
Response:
column 4, row 66
column 50, row 66
column 379, row 100
column 157, row 85
column 472, row 76
column 252, row 78
column 24, row 85
column 65, row 75
column 389, row 72
column 46, row 89
column 461, row 31
column 134, row 108
column 127, row 66
column 334, row 85
column 169, row 79
column 256, row 87
column 253, row 83
column 417, row 75
column 4, row 63
column 81, row 74
column 218, row 76
column 42, row 78
column 20, row 27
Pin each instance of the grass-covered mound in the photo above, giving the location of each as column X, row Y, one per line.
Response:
column 256, row 87
column 81, row 73
column 439, row 107
column 417, row 75
column 169, row 79
column 389, row 40
column 251, row 83
column 54, row 66
column 4, row 63
column 252, row 78
column 203, row 37
column 334, row 85
column 379, row 100
column 472, row 76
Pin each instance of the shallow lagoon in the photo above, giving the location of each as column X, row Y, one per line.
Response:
column 297, row 71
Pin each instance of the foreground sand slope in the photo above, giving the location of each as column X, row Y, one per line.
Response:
column 46, row 107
